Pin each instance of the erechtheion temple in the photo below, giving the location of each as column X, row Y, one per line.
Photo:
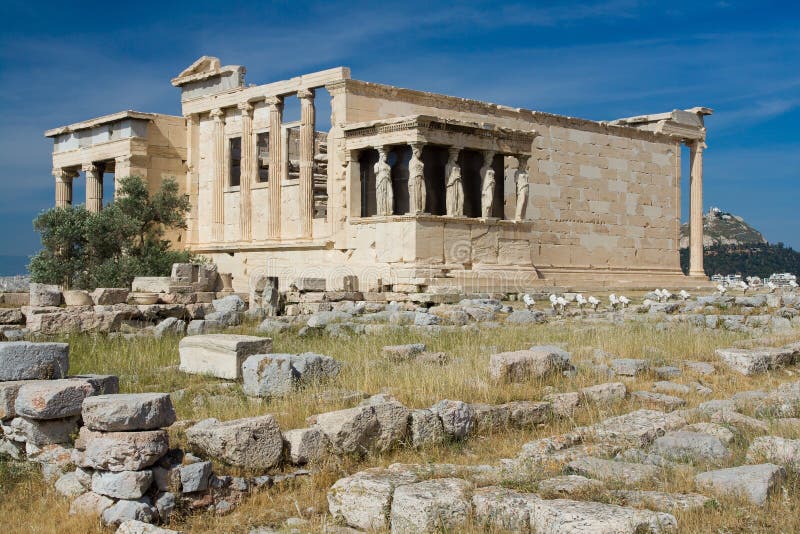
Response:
column 407, row 188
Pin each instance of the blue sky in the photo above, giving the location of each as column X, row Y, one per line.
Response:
column 62, row 62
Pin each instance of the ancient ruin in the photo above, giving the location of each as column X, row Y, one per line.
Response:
column 407, row 190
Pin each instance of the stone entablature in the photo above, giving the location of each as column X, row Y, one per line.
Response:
column 433, row 130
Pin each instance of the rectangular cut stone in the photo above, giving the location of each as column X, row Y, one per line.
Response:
column 132, row 411
column 310, row 284
column 150, row 284
column 754, row 361
column 119, row 451
column 52, row 399
column 220, row 355
column 24, row 360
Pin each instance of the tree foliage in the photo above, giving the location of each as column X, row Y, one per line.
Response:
column 108, row 249
column 748, row 260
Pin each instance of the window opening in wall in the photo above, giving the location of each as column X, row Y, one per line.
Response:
column 293, row 151
column 262, row 156
column 235, row 151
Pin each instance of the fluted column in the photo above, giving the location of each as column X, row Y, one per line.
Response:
column 248, row 171
column 306, row 186
column 696, row 210
column 192, row 185
column 217, row 197
column 94, row 187
column 63, row 187
column 275, row 106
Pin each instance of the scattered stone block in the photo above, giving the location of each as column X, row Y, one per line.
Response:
column 490, row 418
column 564, row 404
column 119, row 451
column 252, row 442
column 426, row 428
column 132, row 526
column 604, row 393
column 194, row 477
column 458, row 418
column 150, row 284
column 24, row 360
column 400, row 353
column 569, row 486
column 42, row 432
column 275, row 375
column 52, row 399
column 775, row 450
column 69, row 485
column 125, row 510
column 431, row 506
column 753, row 361
column 683, row 445
column 528, row 414
column 629, row 366
column 662, row 501
column 364, row 500
column 701, row 368
column 658, row 400
column 126, row 412
column 523, row 365
column 11, row 316
column 754, row 482
column 170, row 326
column 90, row 503
column 392, row 421
column 305, row 445
column 613, row 471
column 44, row 294
column 740, row 421
column 109, row 296
column 102, row 384
column 526, row 317
column 353, row 430
column 501, row 510
column 558, row 516
column 220, row 355
column 639, row 428
column 712, row 429
column 122, row 484
column 667, row 371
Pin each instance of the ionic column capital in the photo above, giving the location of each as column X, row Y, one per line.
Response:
column 89, row 168
column 246, row 108
column 218, row 115
column 192, row 117
column 63, row 175
column 274, row 103
column 305, row 94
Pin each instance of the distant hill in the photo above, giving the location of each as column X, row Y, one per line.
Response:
column 722, row 228
column 732, row 246
column 13, row 265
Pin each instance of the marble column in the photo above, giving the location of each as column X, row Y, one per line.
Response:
column 248, row 171
column 696, row 210
column 94, row 187
column 192, row 182
column 218, row 186
column 63, row 187
column 306, row 185
column 275, row 107
column 521, row 182
column 416, row 181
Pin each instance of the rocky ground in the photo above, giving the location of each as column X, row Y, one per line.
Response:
column 462, row 416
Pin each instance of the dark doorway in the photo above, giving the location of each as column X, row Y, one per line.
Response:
column 471, row 162
column 435, row 159
column 366, row 163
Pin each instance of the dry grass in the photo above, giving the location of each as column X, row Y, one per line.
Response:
column 30, row 505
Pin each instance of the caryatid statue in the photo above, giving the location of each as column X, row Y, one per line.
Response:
column 487, row 184
column 416, row 181
column 455, row 187
column 384, row 196
column 522, row 187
